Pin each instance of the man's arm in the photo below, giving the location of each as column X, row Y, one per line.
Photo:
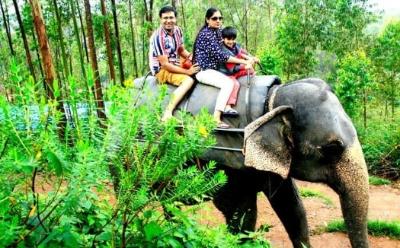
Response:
column 166, row 65
column 184, row 53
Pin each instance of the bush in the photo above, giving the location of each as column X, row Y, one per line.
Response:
column 353, row 81
column 381, row 146
column 270, row 60
column 58, row 192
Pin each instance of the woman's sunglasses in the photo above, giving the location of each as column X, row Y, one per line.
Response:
column 215, row 18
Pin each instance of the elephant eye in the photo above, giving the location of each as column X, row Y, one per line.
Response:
column 333, row 150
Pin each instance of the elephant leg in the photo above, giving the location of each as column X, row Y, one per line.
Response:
column 237, row 200
column 286, row 202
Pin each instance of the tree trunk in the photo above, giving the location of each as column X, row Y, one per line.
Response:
column 35, row 43
column 7, row 28
column 58, row 70
column 246, row 23
column 133, row 45
column 183, row 16
column 25, row 41
column 149, row 16
column 98, row 94
column 147, row 19
column 47, row 61
column 77, row 38
column 61, row 40
column 269, row 20
column 144, row 48
column 83, row 32
column 120, row 64
column 173, row 3
column 386, row 109
column 108, row 41
column 365, row 108
column 393, row 94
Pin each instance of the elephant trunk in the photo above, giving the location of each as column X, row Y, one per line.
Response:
column 352, row 187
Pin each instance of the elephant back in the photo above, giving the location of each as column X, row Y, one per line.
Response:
column 204, row 96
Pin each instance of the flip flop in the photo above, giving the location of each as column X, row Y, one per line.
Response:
column 222, row 124
column 231, row 112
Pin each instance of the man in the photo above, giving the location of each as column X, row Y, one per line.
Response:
column 166, row 47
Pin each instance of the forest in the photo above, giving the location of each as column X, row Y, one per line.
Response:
column 81, row 161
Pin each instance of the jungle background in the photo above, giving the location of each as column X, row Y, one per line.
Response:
column 74, row 139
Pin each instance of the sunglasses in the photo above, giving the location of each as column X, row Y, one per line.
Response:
column 215, row 18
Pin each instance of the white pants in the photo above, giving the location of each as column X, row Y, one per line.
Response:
column 219, row 80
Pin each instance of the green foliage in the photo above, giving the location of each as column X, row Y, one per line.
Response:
column 386, row 58
column 183, row 231
column 381, row 145
column 271, row 61
column 305, row 192
column 386, row 52
column 375, row 228
column 59, row 192
column 374, row 180
column 295, row 38
column 353, row 81
column 345, row 23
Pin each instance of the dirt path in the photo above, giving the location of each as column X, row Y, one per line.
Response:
column 384, row 205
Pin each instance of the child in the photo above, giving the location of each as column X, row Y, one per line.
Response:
column 234, row 71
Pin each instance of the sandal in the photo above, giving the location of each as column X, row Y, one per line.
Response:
column 223, row 125
column 231, row 112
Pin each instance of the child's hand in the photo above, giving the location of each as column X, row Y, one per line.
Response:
column 248, row 65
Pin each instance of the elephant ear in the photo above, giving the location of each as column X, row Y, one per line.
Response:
column 268, row 141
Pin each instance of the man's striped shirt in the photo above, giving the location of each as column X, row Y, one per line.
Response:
column 162, row 43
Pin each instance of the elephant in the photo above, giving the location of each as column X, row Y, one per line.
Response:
column 297, row 130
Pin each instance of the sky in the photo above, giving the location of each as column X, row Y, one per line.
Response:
column 391, row 8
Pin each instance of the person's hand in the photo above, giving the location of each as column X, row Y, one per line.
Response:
column 193, row 69
column 256, row 60
column 248, row 65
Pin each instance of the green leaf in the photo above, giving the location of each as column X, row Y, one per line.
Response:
column 152, row 230
column 174, row 243
column 86, row 204
column 55, row 162
column 105, row 236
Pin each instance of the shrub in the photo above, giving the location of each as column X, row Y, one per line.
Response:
column 58, row 192
column 270, row 60
column 381, row 146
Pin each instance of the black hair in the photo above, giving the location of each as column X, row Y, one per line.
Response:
column 209, row 13
column 229, row 33
column 167, row 9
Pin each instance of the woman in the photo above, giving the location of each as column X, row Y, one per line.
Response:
column 208, row 53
